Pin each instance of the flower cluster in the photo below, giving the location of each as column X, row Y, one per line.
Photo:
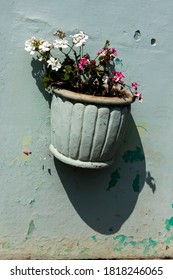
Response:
column 77, row 71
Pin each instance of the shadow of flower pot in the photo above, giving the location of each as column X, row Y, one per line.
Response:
column 105, row 198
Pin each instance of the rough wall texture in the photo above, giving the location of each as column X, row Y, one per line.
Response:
column 51, row 210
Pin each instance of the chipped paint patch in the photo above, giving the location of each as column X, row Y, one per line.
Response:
column 133, row 243
column 31, row 228
column 168, row 240
column 133, row 155
column 169, row 223
column 120, row 238
column 84, row 251
column 148, row 245
column 32, row 201
column 136, row 183
column 26, row 141
column 6, row 245
column 115, row 176
column 94, row 238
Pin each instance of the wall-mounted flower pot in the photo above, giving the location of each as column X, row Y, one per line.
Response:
column 86, row 131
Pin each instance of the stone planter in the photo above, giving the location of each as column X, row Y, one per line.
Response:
column 86, row 131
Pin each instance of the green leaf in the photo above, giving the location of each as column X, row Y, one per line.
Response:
column 46, row 81
column 107, row 44
column 68, row 68
column 66, row 77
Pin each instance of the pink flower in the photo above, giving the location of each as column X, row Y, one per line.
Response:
column 136, row 93
column 134, row 84
column 114, row 52
column 93, row 62
column 100, row 51
column 83, row 62
column 140, row 98
column 118, row 77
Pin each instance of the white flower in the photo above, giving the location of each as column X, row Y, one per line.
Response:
column 105, row 79
column 54, row 63
column 45, row 46
column 30, row 45
column 61, row 43
column 79, row 39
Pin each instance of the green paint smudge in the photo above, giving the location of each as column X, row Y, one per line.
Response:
column 169, row 223
column 32, row 201
column 31, row 227
column 136, row 183
column 114, row 179
column 133, row 155
column 121, row 242
column 6, row 245
column 172, row 205
column 152, row 242
column 118, row 249
column 120, row 238
column 168, row 240
column 148, row 244
column 94, row 237
column 84, row 251
column 133, row 243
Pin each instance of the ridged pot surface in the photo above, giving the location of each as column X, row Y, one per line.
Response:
column 87, row 133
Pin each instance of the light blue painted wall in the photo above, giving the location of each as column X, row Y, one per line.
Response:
column 50, row 210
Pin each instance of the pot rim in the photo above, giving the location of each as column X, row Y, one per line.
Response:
column 85, row 98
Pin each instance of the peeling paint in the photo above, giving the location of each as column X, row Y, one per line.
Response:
column 6, row 245
column 169, row 223
column 168, row 239
column 120, row 238
column 119, row 62
column 30, row 228
column 114, row 179
column 133, row 155
column 150, row 181
column 32, row 201
column 148, row 244
column 26, row 141
column 94, row 238
column 84, row 251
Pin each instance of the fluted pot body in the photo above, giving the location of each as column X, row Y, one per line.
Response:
column 86, row 131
